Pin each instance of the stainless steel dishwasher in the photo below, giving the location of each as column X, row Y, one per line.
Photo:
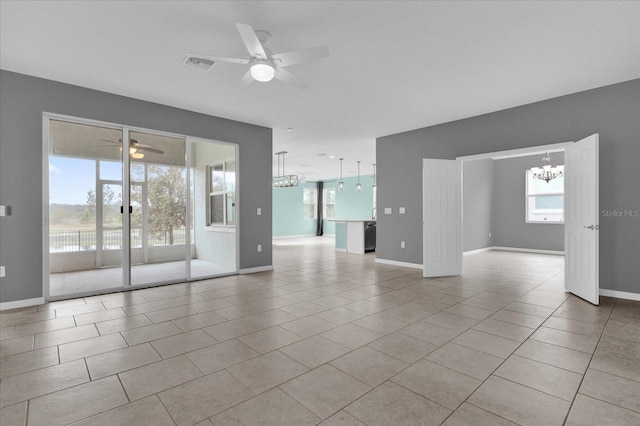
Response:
column 370, row 235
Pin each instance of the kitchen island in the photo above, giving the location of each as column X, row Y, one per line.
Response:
column 355, row 236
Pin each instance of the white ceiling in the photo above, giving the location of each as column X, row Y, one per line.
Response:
column 393, row 66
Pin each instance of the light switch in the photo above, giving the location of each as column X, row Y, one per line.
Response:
column 259, row 211
column 5, row 210
column 259, row 248
column 401, row 210
column 387, row 210
column 402, row 245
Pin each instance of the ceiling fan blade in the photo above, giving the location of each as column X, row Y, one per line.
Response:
column 149, row 149
column 246, row 80
column 251, row 41
column 145, row 147
column 289, row 78
column 300, row 56
column 219, row 59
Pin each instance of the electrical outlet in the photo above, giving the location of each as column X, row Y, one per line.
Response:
column 3, row 272
column 401, row 210
column 259, row 211
column 489, row 234
column 402, row 245
column 259, row 248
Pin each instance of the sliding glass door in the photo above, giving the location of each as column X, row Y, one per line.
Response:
column 84, row 198
column 213, row 208
column 158, row 197
column 153, row 210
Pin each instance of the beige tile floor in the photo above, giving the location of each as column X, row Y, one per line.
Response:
column 333, row 339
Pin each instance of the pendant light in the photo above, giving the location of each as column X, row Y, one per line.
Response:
column 359, row 185
column 341, row 183
column 284, row 180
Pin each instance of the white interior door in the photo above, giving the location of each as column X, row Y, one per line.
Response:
column 581, row 222
column 442, row 217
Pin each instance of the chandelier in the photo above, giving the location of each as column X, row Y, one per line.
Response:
column 284, row 180
column 547, row 172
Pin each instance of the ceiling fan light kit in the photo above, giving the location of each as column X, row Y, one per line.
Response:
column 262, row 71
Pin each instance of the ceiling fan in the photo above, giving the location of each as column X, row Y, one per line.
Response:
column 137, row 149
column 263, row 65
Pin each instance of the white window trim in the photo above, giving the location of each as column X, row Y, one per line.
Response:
column 548, row 212
column 315, row 204
column 324, row 201
column 217, row 226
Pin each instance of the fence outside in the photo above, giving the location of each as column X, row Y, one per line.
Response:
column 71, row 241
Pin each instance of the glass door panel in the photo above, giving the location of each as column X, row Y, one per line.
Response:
column 158, row 196
column 213, row 209
column 84, row 218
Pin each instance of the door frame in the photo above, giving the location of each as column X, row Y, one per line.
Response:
column 126, row 225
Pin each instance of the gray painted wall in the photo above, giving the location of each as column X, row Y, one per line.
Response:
column 509, row 224
column 611, row 111
column 23, row 99
column 477, row 204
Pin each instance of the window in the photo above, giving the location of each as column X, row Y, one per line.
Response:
column 545, row 200
column 309, row 201
column 329, row 203
column 222, row 193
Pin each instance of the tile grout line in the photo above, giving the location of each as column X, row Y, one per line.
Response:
column 590, row 361
column 512, row 353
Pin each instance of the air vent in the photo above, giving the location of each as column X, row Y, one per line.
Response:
column 201, row 63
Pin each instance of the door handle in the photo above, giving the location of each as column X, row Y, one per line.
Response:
column 592, row 227
column 122, row 209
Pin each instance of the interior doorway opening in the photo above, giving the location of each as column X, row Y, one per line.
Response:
column 443, row 219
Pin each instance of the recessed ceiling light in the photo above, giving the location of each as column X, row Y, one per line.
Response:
column 332, row 156
column 289, row 129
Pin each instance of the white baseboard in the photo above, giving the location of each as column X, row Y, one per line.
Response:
column 528, row 250
column 293, row 236
column 396, row 263
column 256, row 269
column 341, row 250
column 21, row 303
column 620, row 294
column 476, row 251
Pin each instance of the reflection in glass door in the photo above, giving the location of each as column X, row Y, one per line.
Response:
column 84, row 221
